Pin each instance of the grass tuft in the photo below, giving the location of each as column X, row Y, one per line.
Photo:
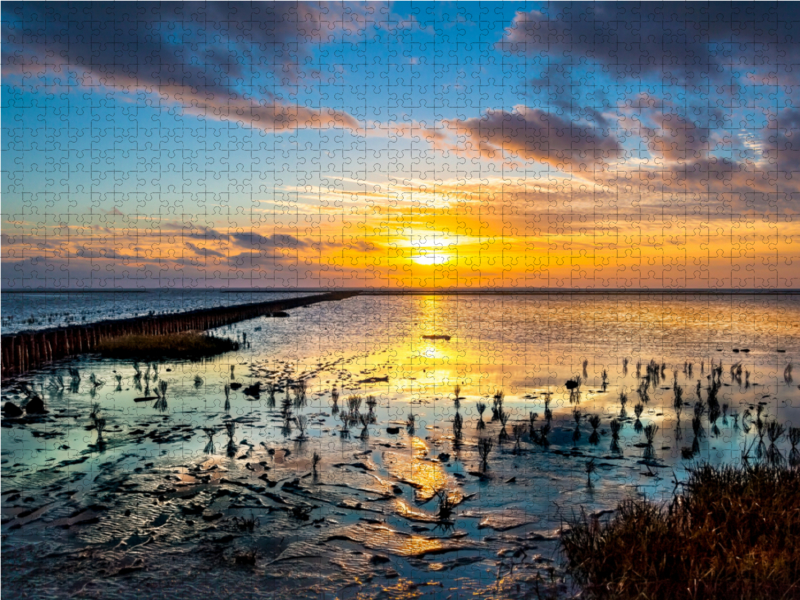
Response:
column 730, row 534
column 190, row 345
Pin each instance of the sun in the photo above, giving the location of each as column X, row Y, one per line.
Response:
column 431, row 258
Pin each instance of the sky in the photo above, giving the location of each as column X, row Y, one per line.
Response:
column 400, row 145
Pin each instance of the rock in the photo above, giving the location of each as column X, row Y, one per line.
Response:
column 392, row 430
column 11, row 410
column 35, row 406
column 444, row 457
column 236, row 385
column 254, row 390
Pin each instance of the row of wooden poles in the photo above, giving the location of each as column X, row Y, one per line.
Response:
column 30, row 349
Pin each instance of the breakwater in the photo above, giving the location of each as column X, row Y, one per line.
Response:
column 31, row 349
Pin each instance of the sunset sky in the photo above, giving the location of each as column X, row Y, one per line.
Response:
column 458, row 145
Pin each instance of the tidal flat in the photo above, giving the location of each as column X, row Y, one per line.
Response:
column 240, row 476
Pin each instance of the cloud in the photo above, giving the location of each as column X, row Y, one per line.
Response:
column 206, row 252
column 692, row 40
column 257, row 241
column 228, row 62
column 534, row 134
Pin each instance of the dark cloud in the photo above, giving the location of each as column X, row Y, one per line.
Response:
column 256, row 241
column 206, row 252
column 537, row 135
column 636, row 38
column 782, row 143
column 227, row 61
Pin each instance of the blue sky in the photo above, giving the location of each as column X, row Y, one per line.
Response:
column 145, row 124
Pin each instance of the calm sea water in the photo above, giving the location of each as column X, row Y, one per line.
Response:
column 156, row 491
column 32, row 311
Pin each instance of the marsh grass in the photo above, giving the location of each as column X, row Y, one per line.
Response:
column 458, row 428
column 637, row 424
column 161, row 403
column 497, row 404
column 446, row 505
column 230, row 429
column 504, row 417
column 594, row 421
column 615, row 427
column 335, row 400
column 485, row 446
column 410, row 424
column 576, row 433
column 518, row 430
column 481, row 409
column 794, row 440
column 189, row 345
column 315, row 458
column 730, row 534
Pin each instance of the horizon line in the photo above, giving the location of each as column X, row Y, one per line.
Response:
column 412, row 291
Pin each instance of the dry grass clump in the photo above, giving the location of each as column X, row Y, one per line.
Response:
column 731, row 534
column 189, row 345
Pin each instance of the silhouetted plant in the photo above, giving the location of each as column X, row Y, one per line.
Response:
column 230, row 428
column 345, row 430
column 365, row 424
column 446, row 505
column 677, row 398
column 503, row 416
column 485, row 446
column 625, row 362
column 518, row 430
column 532, row 416
column 638, row 410
column 544, row 431
column 714, row 414
column 248, row 524
column 315, row 458
column 354, row 405
column 98, row 422
column 548, row 414
column 585, row 367
column 497, row 404
column 650, row 434
column 302, row 423
column 604, row 380
column 161, row 403
column 227, row 390
column 594, row 421
column 787, row 374
column 457, row 396
column 576, row 434
column 615, row 427
column 371, row 403
column 590, row 467
column 410, row 423
column 794, row 440
column 481, row 408
column 271, row 389
column 300, row 393
column 210, row 433
column 458, row 424
column 774, row 432
column 574, row 387
column 334, row 400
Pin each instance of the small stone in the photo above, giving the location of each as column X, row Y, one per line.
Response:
column 35, row 406
column 11, row 410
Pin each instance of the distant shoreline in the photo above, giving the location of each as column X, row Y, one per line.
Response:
column 435, row 292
